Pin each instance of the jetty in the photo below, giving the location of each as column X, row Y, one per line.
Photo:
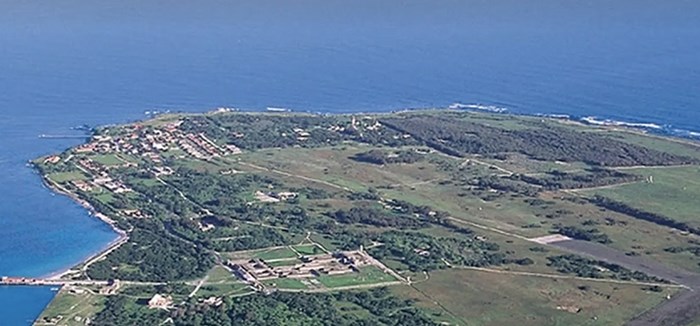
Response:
column 6, row 280
column 46, row 136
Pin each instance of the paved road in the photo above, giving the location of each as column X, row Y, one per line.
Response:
column 636, row 263
column 681, row 310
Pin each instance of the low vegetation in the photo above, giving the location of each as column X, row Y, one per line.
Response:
column 423, row 193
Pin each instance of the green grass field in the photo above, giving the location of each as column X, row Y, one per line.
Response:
column 453, row 186
column 277, row 253
column 367, row 275
column 105, row 197
column 480, row 298
column 308, row 250
column 675, row 192
column 62, row 177
column 222, row 289
column 108, row 160
column 286, row 283
column 73, row 308
column 220, row 274
column 419, row 184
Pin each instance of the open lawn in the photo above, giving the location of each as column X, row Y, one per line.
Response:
column 105, row 197
column 108, row 160
column 480, row 298
column 334, row 165
column 277, row 253
column 519, row 163
column 220, row 274
column 62, row 177
column 151, row 182
column 223, row 289
column 367, row 275
column 674, row 192
column 517, row 215
column 324, row 241
column 308, row 250
column 413, row 207
column 286, row 283
column 73, row 308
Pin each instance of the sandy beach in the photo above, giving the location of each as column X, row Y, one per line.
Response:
column 122, row 237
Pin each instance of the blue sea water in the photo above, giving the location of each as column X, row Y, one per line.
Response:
column 74, row 62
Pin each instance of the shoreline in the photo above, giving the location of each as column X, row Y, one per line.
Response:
column 122, row 235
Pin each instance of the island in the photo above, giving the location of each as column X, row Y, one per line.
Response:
column 419, row 217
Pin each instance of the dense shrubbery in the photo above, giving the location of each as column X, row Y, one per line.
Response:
column 312, row 193
column 228, row 236
column 369, row 195
column 590, row 234
column 378, row 156
column 122, row 310
column 152, row 255
column 219, row 193
column 256, row 131
column 396, row 213
column 505, row 184
column 377, row 217
column 375, row 307
column 459, row 137
column 584, row 267
column 623, row 208
column 165, row 195
column 695, row 250
column 594, row 177
column 421, row 252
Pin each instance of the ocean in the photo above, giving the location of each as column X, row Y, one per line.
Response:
column 74, row 62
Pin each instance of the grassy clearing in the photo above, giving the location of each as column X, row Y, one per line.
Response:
column 73, row 308
column 519, row 163
column 222, row 289
column 500, row 120
column 673, row 193
column 146, row 182
column 308, row 250
column 286, row 283
column 63, row 177
column 507, row 213
column 105, row 197
column 334, row 165
column 324, row 241
column 277, row 253
column 108, row 160
column 220, row 274
column 367, row 275
column 493, row 299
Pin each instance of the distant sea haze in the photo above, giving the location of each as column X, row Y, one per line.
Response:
column 76, row 62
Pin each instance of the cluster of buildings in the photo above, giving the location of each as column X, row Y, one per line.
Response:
column 137, row 141
column 151, row 142
column 255, row 270
column 112, row 185
column 160, row 301
column 301, row 134
column 203, row 148
column 274, row 197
